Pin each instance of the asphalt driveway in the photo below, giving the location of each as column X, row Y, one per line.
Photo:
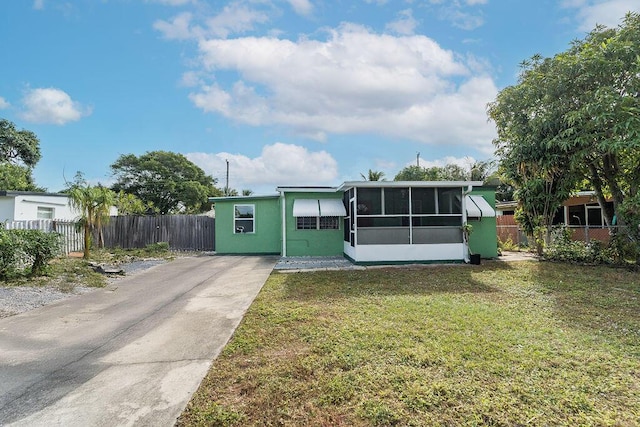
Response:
column 130, row 354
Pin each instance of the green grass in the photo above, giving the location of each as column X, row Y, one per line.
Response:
column 527, row 343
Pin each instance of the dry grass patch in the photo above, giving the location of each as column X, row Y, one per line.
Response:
column 521, row 344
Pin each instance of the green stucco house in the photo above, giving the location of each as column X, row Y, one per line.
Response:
column 368, row 222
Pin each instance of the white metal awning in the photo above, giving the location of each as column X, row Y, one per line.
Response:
column 318, row 207
column 306, row 207
column 478, row 207
column 332, row 207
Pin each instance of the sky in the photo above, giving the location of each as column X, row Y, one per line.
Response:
column 287, row 92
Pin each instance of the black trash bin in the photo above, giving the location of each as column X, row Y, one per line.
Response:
column 474, row 259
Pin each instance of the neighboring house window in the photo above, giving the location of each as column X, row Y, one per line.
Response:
column 45, row 213
column 244, row 220
column 317, row 223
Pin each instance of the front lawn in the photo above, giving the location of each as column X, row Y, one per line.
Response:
column 526, row 343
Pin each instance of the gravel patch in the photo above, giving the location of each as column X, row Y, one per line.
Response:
column 19, row 299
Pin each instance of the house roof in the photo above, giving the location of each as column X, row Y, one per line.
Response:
column 11, row 193
column 377, row 184
column 242, row 198
column 307, row 189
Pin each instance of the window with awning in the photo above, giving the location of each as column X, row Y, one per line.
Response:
column 318, row 207
column 478, row 207
column 318, row 214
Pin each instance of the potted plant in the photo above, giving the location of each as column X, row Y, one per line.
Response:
column 467, row 229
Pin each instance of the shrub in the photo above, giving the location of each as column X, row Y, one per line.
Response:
column 157, row 247
column 27, row 249
column 41, row 248
column 564, row 249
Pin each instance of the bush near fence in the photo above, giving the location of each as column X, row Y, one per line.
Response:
column 71, row 239
column 508, row 229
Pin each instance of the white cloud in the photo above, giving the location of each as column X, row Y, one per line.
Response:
column 234, row 18
column 463, row 20
column 353, row 82
column 302, row 7
column 278, row 164
column 51, row 105
column 38, row 4
column 4, row 103
column 179, row 28
column 405, row 24
column 608, row 12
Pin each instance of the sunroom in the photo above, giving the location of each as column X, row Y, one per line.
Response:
column 408, row 221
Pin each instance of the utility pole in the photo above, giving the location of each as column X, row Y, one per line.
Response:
column 418, row 159
column 226, row 188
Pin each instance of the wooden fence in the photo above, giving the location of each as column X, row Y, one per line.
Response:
column 72, row 240
column 181, row 232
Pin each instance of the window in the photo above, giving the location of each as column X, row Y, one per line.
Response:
column 396, row 201
column 317, row 223
column 329, row 223
column 306, row 222
column 369, row 201
column 244, row 219
column 45, row 213
column 423, row 201
column 449, row 201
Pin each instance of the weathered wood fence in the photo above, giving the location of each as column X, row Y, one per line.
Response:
column 182, row 232
column 72, row 240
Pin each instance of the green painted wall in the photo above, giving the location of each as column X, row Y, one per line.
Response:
column 267, row 238
column 312, row 242
column 483, row 239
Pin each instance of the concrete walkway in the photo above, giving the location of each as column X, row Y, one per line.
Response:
column 130, row 354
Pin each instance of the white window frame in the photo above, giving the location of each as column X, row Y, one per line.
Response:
column 50, row 212
column 318, row 223
column 236, row 229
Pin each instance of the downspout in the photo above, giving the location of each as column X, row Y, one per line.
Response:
column 465, row 242
column 283, row 223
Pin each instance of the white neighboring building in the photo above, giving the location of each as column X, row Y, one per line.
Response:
column 27, row 205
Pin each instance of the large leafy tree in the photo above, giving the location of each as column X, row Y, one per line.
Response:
column 19, row 153
column 477, row 171
column 575, row 118
column 167, row 181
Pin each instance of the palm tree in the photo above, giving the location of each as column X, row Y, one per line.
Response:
column 373, row 176
column 93, row 203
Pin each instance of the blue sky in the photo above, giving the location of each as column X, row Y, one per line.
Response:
column 290, row 92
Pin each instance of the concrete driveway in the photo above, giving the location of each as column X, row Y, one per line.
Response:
column 130, row 354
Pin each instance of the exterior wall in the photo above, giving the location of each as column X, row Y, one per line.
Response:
column 267, row 236
column 6, row 208
column 483, row 239
column 311, row 242
column 22, row 207
column 405, row 253
column 27, row 207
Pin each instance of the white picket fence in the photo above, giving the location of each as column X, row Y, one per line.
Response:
column 72, row 241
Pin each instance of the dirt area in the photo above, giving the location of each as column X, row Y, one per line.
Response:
column 517, row 256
